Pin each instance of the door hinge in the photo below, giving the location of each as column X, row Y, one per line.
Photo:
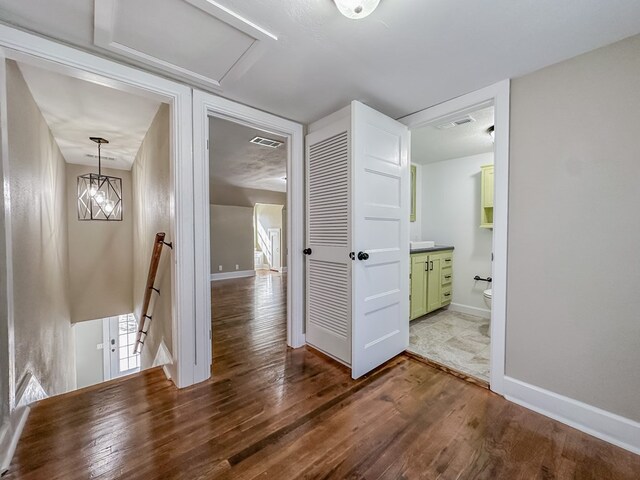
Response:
column 207, row 144
column 209, row 334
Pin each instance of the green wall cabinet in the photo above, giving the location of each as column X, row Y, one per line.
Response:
column 412, row 217
column 486, row 196
column 431, row 280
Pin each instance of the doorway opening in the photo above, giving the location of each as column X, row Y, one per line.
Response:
column 496, row 96
column 90, row 187
column 452, row 238
column 248, row 239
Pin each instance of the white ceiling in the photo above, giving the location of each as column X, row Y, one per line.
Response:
column 76, row 109
column 430, row 144
column 234, row 161
column 404, row 57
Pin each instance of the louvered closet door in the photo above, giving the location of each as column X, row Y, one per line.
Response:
column 329, row 238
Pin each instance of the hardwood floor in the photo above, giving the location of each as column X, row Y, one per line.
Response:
column 274, row 413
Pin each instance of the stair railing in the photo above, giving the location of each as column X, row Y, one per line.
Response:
column 145, row 318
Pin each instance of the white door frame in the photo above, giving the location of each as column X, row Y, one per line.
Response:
column 498, row 96
column 206, row 105
column 25, row 47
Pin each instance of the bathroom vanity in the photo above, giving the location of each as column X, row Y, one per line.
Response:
column 431, row 279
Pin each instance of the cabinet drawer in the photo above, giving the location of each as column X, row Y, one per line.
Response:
column 447, row 260
column 447, row 276
column 445, row 296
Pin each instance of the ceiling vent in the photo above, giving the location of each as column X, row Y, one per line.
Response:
column 266, row 142
column 103, row 157
column 456, row 122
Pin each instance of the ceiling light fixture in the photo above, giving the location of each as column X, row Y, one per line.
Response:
column 99, row 196
column 356, row 9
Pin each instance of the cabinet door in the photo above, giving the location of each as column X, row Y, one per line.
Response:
column 487, row 187
column 434, row 282
column 418, row 286
column 413, row 194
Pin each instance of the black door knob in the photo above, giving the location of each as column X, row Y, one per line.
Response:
column 352, row 255
column 307, row 251
column 363, row 256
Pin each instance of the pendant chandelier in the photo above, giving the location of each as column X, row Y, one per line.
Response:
column 99, row 196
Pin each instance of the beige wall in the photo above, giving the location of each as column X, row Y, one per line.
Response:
column 43, row 334
column 574, row 229
column 231, row 238
column 5, row 381
column 243, row 197
column 152, row 211
column 100, row 255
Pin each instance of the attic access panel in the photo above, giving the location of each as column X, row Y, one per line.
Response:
column 196, row 40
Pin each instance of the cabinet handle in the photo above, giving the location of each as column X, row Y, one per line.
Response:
column 307, row 251
column 431, row 264
column 447, row 276
column 447, row 294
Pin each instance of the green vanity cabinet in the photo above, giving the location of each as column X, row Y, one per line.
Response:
column 431, row 280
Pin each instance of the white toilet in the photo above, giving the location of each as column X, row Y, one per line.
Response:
column 487, row 297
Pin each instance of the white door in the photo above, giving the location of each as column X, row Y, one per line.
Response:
column 380, row 216
column 328, row 265
column 120, row 332
column 276, row 256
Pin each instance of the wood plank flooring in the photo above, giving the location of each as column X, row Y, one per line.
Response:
column 274, row 413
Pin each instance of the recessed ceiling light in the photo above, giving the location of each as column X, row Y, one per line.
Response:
column 266, row 142
column 356, row 9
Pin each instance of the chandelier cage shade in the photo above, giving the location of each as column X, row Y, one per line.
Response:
column 99, row 196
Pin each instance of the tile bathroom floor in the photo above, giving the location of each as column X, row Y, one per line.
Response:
column 454, row 339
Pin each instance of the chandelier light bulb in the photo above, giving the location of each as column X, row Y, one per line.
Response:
column 99, row 197
column 356, row 9
column 108, row 206
column 93, row 189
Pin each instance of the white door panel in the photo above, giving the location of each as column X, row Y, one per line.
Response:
column 380, row 204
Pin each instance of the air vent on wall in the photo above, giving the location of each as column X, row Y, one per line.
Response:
column 266, row 142
column 104, row 157
column 456, row 122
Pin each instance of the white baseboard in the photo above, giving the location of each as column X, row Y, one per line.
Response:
column 10, row 434
column 227, row 275
column 29, row 391
column 607, row 426
column 478, row 312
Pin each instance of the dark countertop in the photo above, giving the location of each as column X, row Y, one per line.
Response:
column 437, row 248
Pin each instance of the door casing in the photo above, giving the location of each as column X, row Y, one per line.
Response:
column 498, row 96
